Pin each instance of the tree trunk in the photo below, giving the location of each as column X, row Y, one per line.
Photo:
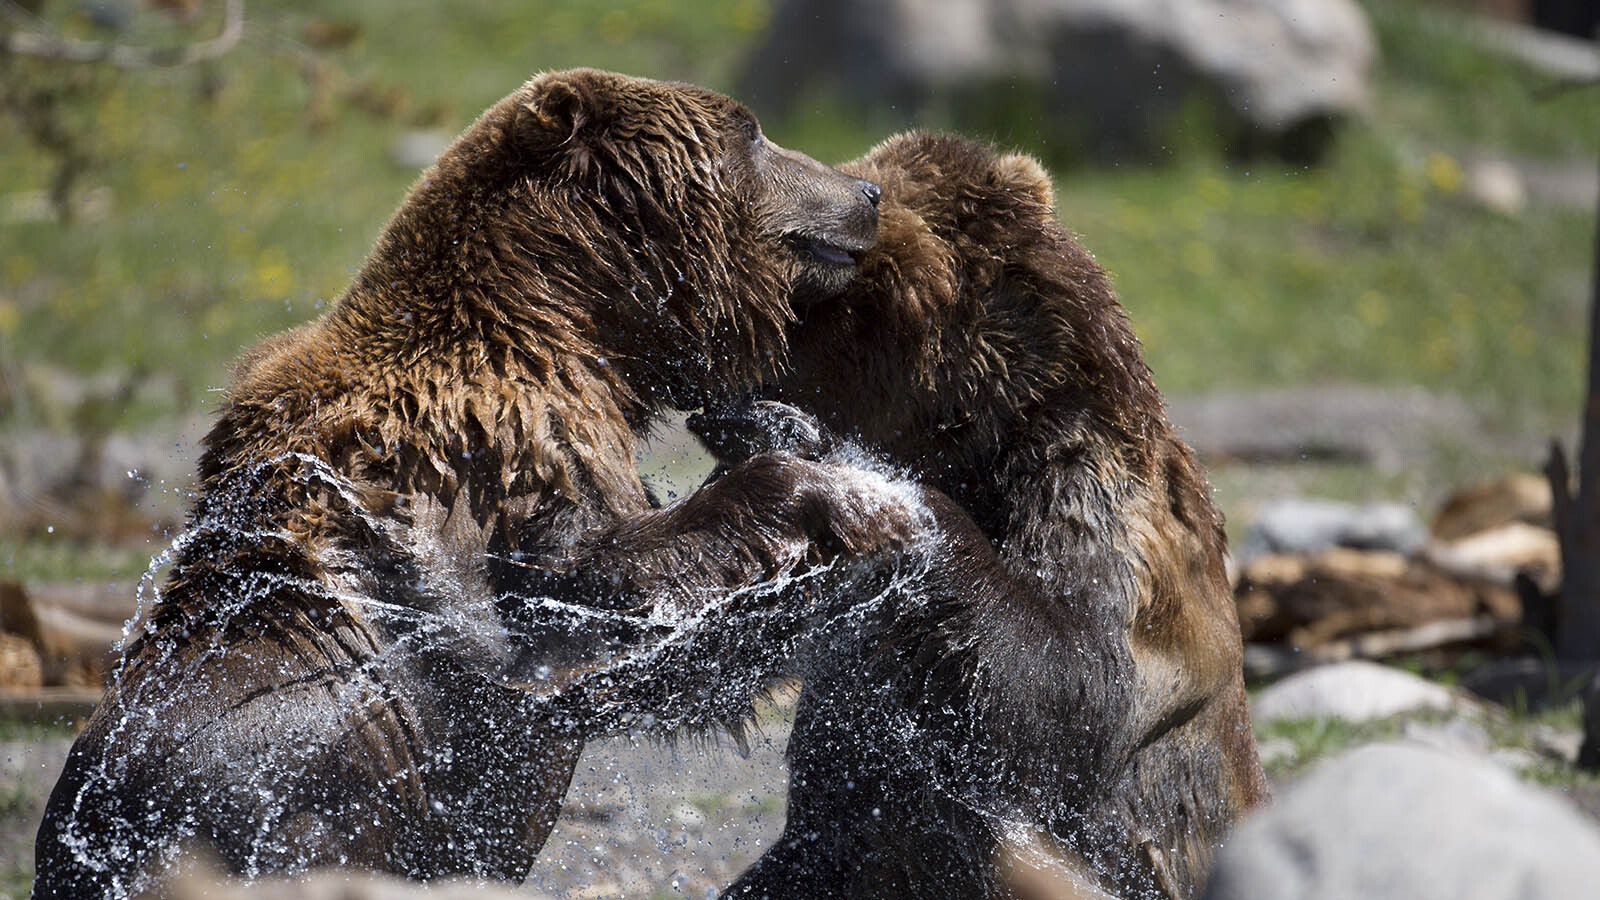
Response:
column 1577, row 517
column 1577, row 521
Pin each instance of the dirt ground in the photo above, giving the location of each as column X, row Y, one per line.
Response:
column 647, row 820
column 28, row 769
column 643, row 819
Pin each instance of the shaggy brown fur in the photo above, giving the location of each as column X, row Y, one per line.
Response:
column 420, row 516
column 1079, row 691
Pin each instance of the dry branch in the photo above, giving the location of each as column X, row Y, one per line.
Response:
column 36, row 42
column 1271, row 660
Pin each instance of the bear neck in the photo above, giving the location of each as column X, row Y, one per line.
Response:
column 1037, row 377
column 1022, row 359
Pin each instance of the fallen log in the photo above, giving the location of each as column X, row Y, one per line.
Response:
column 1273, row 660
column 1343, row 594
column 74, row 629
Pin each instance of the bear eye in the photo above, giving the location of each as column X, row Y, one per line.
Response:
column 752, row 131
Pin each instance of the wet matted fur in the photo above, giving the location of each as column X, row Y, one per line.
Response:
column 419, row 537
column 1075, row 696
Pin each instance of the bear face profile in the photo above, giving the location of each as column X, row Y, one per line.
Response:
column 420, row 553
column 1062, row 688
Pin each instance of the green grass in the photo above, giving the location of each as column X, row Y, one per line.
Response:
column 1360, row 271
column 237, row 214
column 30, row 731
column 16, row 879
column 19, row 806
column 47, row 559
column 1315, row 740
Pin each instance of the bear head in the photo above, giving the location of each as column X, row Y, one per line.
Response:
column 646, row 225
column 974, row 313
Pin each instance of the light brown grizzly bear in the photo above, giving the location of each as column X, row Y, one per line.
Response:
column 420, row 542
column 1071, row 693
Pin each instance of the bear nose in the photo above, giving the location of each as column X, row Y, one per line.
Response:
column 872, row 192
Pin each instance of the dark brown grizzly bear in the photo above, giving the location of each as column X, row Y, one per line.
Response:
column 1074, row 696
column 420, row 549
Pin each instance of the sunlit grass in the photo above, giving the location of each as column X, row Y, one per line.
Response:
column 237, row 208
column 1294, row 746
column 1364, row 270
column 47, row 559
column 1315, row 740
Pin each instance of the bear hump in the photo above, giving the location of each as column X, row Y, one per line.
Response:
column 932, row 158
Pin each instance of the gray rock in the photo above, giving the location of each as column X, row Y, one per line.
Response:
column 1396, row 821
column 1310, row 526
column 1516, row 760
column 1558, row 55
column 1390, row 428
column 1356, row 691
column 1497, row 185
column 1110, row 74
column 1557, row 743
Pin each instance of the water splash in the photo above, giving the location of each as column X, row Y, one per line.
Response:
column 693, row 665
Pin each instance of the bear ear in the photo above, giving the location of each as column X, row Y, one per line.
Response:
column 1023, row 173
column 559, row 110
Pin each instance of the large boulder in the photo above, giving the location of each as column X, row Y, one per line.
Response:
column 1104, row 76
column 1356, row 691
column 1392, row 821
column 1309, row 525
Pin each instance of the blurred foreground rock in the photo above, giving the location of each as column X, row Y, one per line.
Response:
column 1402, row 822
column 1111, row 76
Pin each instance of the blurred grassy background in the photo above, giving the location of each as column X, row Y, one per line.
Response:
column 228, row 200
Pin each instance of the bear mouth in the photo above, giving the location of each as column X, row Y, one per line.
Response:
column 825, row 251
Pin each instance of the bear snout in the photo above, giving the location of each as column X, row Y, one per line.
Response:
column 871, row 191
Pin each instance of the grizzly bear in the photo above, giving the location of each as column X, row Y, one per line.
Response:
column 420, row 547
column 1068, row 691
